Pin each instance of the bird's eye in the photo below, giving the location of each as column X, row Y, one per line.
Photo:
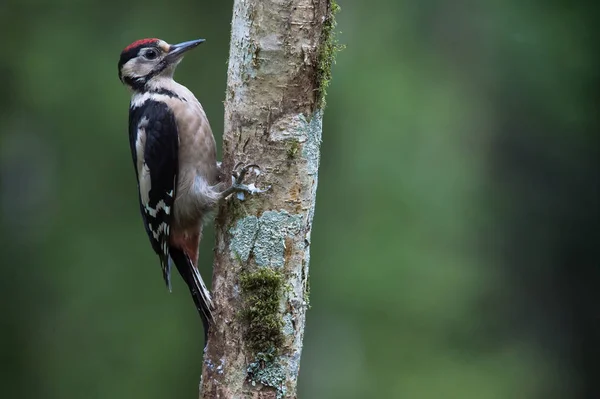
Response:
column 150, row 54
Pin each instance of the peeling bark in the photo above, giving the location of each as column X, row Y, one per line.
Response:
column 273, row 115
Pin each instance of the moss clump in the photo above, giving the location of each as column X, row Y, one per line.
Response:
column 327, row 53
column 307, row 293
column 256, row 56
column 262, row 291
column 293, row 150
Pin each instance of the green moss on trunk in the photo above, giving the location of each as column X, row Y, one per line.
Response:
column 327, row 53
column 293, row 150
column 262, row 291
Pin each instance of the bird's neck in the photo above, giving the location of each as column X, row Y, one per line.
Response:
column 159, row 89
column 161, row 83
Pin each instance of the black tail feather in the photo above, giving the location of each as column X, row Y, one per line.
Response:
column 200, row 293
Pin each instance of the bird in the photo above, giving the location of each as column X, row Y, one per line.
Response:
column 173, row 149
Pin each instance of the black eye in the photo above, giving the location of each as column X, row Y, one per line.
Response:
column 150, row 54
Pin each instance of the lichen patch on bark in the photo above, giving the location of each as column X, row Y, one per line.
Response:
column 311, row 149
column 264, row 237
column 243, row 237
column 268, row 371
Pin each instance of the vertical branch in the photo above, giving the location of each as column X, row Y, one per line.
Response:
column 279, row 61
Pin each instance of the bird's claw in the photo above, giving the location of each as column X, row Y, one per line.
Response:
column 239, row 175
column 242, row 189
column 237, row 185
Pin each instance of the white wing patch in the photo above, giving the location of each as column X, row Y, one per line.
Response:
column 140, row 144
column 145, row 185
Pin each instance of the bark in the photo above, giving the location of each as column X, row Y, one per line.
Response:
column 278, row 69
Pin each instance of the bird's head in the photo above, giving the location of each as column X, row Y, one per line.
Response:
column 147, row 59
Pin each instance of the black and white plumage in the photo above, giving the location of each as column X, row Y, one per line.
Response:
column 154, row 146
column 174, row 158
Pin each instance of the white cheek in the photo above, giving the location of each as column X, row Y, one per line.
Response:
column 129, row 68
column 135, row 68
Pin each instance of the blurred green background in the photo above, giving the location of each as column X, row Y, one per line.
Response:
column 455, row 241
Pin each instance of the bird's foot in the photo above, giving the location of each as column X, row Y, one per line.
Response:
column 237, row 182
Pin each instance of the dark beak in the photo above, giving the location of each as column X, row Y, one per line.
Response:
column 177, row 50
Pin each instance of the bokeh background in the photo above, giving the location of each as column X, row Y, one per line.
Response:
column 455, row 242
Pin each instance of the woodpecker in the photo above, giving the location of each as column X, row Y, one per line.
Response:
column 174, row 158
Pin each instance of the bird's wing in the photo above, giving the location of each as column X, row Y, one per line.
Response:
column 154, row 146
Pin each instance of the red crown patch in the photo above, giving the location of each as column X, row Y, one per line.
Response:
column 141, row 42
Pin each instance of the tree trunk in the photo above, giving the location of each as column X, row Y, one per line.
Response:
column 279, row 67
